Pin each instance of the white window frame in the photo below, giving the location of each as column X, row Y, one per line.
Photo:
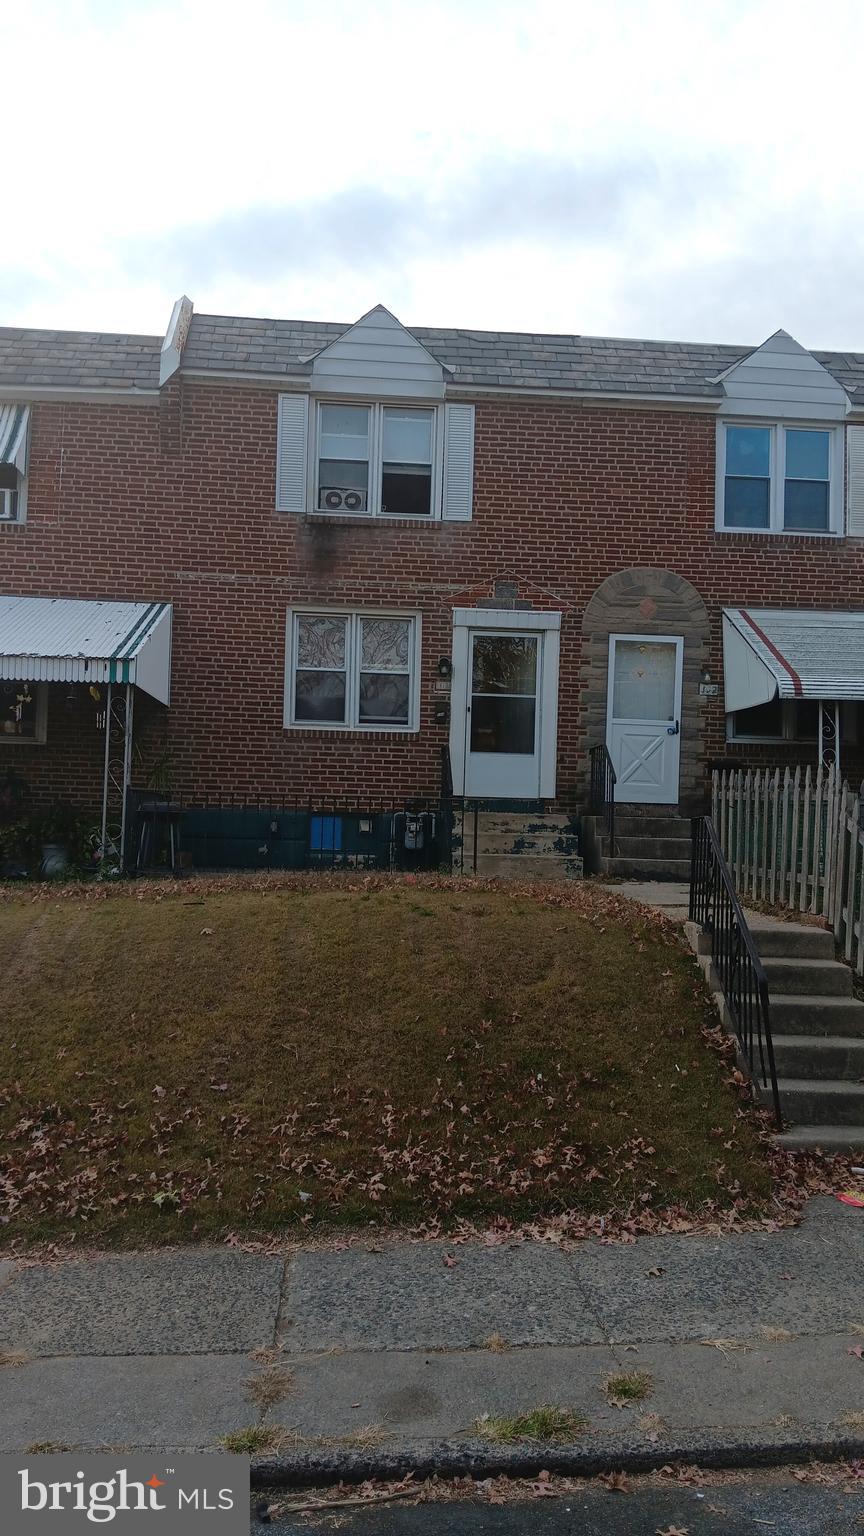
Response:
column 352, row 723
column 788, row 734
column 39, row 740
column 777, row 482
column 376, row 410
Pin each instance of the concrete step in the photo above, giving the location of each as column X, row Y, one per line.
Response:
column 796, row 1014
column 526, row 866
column 794, row 941
column 629, row 825
column 627, row 847
column 847, row 1140
column 504, row 822
column 818, row 1103
column 811, row 978
column 817, row 1057
column 646, row 869
column 553, row 844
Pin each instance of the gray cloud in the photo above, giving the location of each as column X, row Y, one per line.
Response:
column 537, row 199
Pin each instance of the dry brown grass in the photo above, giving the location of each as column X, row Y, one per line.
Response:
column 335, row 1050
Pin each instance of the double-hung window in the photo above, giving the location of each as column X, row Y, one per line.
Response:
column 357, row 671
column 779, row 479
column 375, row 460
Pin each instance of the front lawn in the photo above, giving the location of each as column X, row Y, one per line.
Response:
column 182, row 1061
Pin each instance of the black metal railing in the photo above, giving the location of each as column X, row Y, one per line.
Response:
column 327, row 832
column 714, row 905
column 603, row 781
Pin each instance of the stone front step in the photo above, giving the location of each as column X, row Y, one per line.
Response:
column 511, row 845
column 819, row 1057
column 847, row 1140
column 829, row 1102
column 629, row 847
column 813, row 978
column 796, row 1014
column 629, row 825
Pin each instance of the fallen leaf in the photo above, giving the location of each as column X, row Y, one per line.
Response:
column 206, row 932
column 657, row 1270
column 617, row 1482
column 449, row 1261
column 674, row 1530
column 857, row 1350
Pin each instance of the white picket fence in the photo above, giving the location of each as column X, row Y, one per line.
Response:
column 796, row 840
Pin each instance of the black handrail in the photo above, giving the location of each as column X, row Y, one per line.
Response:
column 714, row 905
column 603, row 781
column 446, row 807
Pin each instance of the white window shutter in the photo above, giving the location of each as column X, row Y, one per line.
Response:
column 458, row 462
column 855, row 482
column 291, row 441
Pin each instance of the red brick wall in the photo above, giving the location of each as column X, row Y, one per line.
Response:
column 565, row 494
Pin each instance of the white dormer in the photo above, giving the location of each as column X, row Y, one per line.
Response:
column 378, row 358
column 374, row 437
column 781, row 379
column 781, row 443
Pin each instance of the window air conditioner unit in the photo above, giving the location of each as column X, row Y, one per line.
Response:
column 8, row 506
column 339, row 499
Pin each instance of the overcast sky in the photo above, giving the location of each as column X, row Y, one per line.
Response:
column 657, row 168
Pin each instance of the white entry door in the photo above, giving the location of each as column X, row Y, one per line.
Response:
column 502, row 734
column 643, row 731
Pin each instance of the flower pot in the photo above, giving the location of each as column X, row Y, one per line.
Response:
column 55, row 859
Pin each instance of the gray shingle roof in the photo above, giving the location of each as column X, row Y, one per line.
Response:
column 485, row 359
column 78, row 359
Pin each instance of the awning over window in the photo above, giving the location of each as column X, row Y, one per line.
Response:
column 14, row 420
column 66, row 640
column 791, row 652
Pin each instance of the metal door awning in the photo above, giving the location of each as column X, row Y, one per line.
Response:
column 792, row 653
column 69, row 640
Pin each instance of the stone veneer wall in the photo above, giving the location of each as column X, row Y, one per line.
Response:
column 644, row 601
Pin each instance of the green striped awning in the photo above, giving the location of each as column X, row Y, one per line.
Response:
column 14, row 421
column 71, row 640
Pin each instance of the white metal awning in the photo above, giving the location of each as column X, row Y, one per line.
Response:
column 14, row 420
column 67, row 640
column 791, row 652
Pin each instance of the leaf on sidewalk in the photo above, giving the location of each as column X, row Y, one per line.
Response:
column 616, row 1482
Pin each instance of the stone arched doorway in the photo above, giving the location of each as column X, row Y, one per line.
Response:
column 648, row 602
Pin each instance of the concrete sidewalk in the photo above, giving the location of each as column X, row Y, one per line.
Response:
column 746, row 1342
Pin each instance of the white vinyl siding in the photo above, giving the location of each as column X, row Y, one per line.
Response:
column 781, row 379
column 291, row 440
column 458, row 463
column 377, row 358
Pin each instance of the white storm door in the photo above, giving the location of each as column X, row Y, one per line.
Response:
column 643, row 730
column 502, row 737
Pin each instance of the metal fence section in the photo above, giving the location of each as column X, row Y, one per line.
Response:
column 714, row 905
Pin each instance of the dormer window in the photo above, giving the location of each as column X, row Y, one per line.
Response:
column 375, row 460
column 776, row 478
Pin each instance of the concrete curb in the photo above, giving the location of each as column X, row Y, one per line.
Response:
column 478, row 1459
